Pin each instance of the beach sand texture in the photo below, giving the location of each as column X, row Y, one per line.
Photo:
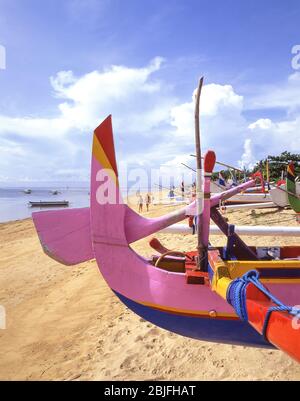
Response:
column 64, row 323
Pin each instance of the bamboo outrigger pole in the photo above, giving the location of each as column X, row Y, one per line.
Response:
column 190, row 168
column 202, row 252
column 225, row 165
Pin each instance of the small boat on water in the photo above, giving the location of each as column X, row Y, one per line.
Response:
column 48, row 203
column 27, row 191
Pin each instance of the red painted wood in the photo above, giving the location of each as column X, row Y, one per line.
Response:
column 209, row 161
column 280, row 332
column 158, row 246
column 289, row 252
column 104, row 134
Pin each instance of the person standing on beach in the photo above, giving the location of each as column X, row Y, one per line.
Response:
column 182, row 189
column 140, row 203
column 148, row 201
column 193, row 190
column 171, row 193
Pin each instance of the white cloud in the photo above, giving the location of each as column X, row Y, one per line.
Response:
column 215, row 99
column 295, row 77
column 141, row 106
column 30, row 127
column 248, row 159
column 91, row 97
column 151, row 126
column 284, row 95
column 99, row 92
column 223, row 126
column 263, row 124
column 138, row 102
column 271, row 136
column 268, row 137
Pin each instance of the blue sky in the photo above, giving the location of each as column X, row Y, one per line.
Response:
column 69, row 63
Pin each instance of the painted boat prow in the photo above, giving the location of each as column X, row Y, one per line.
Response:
column 293, row 196
column 65, row 235
column 161, row 297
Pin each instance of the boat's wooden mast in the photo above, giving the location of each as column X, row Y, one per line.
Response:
column 202, row 252
column 268, row 171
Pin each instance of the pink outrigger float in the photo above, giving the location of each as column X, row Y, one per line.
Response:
column 168, row 290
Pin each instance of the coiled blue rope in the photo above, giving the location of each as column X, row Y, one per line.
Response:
column 236, row 293
column 236, row 296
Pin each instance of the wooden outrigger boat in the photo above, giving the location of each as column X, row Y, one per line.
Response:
column 260, row 197
column 242, row 295
column 246, row 198
column 257, row 197
column 281, row 195
column 266, row 194
column 293, row 190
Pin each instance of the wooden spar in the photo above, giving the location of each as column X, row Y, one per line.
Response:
column 202, row 251
column 162, row 187
column 268, row 171
column 225, row 165
column 257, row 231
column 209, row 164
column 190, row 168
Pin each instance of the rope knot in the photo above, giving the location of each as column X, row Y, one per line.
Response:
column 250, row 276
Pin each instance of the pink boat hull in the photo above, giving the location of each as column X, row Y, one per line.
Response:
column 105, row 230
column 161, row 297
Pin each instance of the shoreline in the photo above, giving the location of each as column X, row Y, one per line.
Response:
column 130, row 199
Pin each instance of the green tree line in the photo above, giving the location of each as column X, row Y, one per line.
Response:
column 277, row 166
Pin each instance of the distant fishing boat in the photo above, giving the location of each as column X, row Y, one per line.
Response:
column 55, row 192
column 27, row 191
column 49, row 203
column 247, row 197
column 280, row 193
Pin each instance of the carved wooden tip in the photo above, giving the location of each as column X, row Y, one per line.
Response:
column 209, row 161
column 291, row 167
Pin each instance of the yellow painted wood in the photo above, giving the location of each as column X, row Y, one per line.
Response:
column 237, row 269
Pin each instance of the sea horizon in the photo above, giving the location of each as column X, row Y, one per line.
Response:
column 14, row 202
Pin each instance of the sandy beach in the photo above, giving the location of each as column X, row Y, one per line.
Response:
column 64, row 323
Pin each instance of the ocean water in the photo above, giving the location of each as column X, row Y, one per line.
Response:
column 14, row 203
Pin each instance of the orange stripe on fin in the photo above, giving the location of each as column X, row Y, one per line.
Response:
column 104, row 134
column 100, row 155
column 291, row 169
